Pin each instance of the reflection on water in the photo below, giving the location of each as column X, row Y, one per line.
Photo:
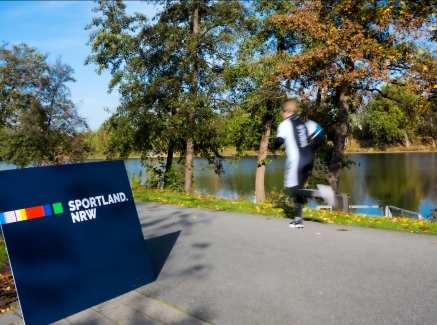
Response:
column 405, row 180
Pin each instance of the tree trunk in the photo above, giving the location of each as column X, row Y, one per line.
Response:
column 433, row 144
column 189, row 157
column 407, row 141
column 260, row 192
column 169, row 162
column 339, row 139
column 318, row 99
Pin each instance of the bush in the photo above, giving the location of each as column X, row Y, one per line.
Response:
column 278, row 200
column 136, row 179
column 159, row 179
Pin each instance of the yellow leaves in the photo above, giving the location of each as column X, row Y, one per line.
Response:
column 425, row 67
column 8, row 295
column 435, row 86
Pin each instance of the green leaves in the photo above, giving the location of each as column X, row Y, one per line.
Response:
column 391, row 118
column 40, row 123
column 164, row 72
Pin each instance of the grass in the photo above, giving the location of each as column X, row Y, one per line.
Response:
column 3, row 256
column 284, row 211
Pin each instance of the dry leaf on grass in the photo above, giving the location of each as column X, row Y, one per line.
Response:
column 8, row 295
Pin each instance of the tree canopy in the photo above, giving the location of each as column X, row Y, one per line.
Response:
column 40, row 123
column 202, row 76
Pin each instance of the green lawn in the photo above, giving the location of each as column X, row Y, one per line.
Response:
column 284, row 211
column 269, row 209
column 3, row 255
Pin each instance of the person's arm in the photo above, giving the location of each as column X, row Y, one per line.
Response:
column 278, row 142
column 280, row 137
column 318, row 139
column 316, row 134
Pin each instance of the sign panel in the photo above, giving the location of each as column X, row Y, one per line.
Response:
column 73, row 237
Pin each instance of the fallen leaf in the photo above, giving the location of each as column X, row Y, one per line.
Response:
column 342, row 229
column 150, row 210
column 8, row 294
column 318, row 233
column 174, row 222
column 269, row 219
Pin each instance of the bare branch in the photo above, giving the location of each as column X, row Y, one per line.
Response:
column 386, row 96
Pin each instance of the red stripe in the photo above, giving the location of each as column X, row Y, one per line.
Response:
column 35, row 212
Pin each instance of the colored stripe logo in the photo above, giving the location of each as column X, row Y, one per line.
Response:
column 31, row 213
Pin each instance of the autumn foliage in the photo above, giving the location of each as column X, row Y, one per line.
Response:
column 8, row 293
column 347, row 50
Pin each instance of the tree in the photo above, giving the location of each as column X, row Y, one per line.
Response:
column 169, row 73
column 257, row 98
column 393, row 118
column 21, row 68
column 145, row 61
column 42, row 124
column 428, row 128
column 348, row 49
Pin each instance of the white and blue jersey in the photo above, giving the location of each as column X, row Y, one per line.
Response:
column 296, row 135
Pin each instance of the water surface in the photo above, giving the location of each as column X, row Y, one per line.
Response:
column 405, row 180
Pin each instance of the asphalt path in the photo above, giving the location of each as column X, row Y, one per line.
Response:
column 231, row 269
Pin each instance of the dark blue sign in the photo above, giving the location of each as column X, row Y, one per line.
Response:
column 73, row 237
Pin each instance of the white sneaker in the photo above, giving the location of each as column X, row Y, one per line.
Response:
column 297, row 223
column 327, row 193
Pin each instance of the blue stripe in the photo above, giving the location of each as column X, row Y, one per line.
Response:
column 47, row 210
column 2, row 219
column 317, row 131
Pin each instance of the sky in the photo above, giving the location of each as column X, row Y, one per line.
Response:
column 58, row 28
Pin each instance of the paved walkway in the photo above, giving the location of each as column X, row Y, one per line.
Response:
column 132, row 308
column 237, row 269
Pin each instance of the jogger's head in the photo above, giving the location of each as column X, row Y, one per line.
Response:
column 289, row 107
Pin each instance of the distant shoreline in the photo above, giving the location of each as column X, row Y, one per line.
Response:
column 398, row 151
column 255, row 155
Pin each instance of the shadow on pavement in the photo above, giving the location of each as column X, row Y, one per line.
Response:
column 159, row 250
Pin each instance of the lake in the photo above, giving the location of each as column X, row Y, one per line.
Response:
column 405, row 180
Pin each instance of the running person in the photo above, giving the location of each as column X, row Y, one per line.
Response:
column 296, row 135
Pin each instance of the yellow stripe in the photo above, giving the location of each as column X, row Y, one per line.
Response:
column 23, row 214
